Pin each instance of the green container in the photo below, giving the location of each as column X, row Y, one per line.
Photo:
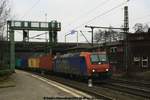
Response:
column 18, row 63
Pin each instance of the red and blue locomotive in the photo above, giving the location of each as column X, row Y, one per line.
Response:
column 84, row 64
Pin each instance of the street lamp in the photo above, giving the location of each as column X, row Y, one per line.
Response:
column 71, row 33
column 65, row 37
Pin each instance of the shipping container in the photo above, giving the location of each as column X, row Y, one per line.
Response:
column 18, row 63
column 46, row 62
column 24, row 62
column 37, row 62
column 30, row 62
column 34, row 61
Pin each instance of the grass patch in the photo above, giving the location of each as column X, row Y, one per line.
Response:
column 6, row 72
column 6, row 80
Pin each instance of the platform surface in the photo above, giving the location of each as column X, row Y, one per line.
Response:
column 28, row 87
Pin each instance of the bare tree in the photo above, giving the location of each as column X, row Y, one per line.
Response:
column 103, row 36
column 99, row 36
column 115, row 35
column 145, row 28
column 140, row 28
column 4, row 14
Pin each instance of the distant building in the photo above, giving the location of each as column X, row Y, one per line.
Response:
column 138, row 53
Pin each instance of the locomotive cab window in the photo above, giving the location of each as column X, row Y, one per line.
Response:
column 94, row 58
column 97, row 59
column 102, row 58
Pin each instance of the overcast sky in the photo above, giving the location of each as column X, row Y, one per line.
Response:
column 75, row 14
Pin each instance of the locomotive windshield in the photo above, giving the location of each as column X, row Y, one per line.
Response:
column 98, row 58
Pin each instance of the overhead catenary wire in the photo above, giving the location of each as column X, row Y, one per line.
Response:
column 102, row 14
column 90, row 11
column 85, row 38
column 33, row 36
column 40, row 38
column 30, row 9
column 38, row 35
column 143, row 17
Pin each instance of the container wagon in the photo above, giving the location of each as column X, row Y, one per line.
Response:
column 45, row 62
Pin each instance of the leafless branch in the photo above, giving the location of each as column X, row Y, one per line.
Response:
column 4, row 14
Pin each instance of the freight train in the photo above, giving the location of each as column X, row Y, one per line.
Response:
column 83, row 64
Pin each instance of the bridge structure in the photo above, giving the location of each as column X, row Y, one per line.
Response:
column 12, row 25
column 42, row 46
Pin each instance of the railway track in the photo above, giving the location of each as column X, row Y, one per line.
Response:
column 81, row 86
column 130, row 87
column 97, row 90
column 132, row 82
column 94, row 91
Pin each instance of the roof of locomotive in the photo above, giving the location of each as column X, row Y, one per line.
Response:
column 81, row 54
column 99, row 52
column 72, row 54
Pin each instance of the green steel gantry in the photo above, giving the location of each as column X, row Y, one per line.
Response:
column 52, row 27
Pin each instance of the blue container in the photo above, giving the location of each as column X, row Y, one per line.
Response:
column 21, row 63
column 24, row 62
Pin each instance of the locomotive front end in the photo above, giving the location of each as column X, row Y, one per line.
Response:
column 99, row 65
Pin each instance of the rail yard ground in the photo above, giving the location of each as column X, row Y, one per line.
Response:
column 142, row 76
column 25, row 86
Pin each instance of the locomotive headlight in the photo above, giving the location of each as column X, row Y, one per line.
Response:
column 107, row 69
column 93, row 70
